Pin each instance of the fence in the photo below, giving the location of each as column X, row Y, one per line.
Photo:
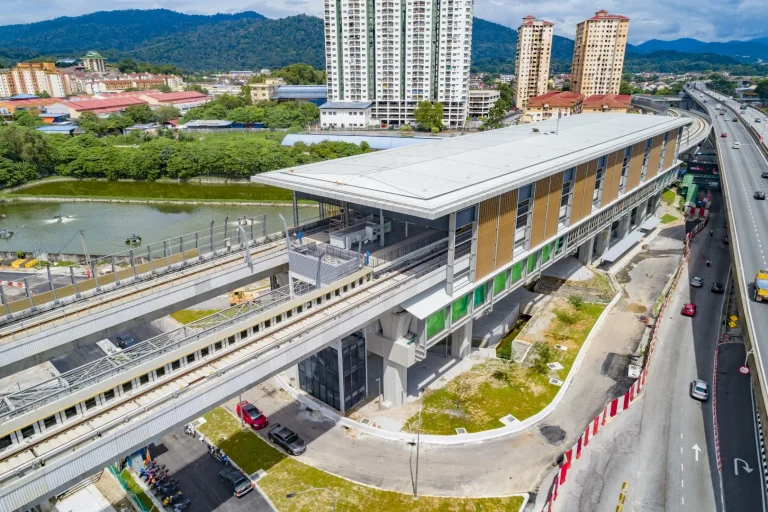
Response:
column 618, row 405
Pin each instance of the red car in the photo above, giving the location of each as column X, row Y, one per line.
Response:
column 251, row 415
column 723, row 135
column 689, row 310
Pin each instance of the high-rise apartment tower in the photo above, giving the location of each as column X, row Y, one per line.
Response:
column 598, row 54
column 534, row 50
column 396, row 53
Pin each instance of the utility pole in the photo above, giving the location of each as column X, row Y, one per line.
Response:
column 418, row 447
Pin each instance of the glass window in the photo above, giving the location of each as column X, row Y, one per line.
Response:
column 522, row 220
column 566, row 198
column 110, row 394
column 127, row 386
column 646, row 156
column 49, row 422
column 175, row 365
column 546, row 252
column 5, row 442
column 190, row 358
column 597, row 195
column 28, row 431
column 460, row 308
column 266, row 323
column 70, row 413
column 160, row 372
column 517, row 271
column 533, row 260
column 144, row 379
column 204, row 352
column 559, row 244
column 243, row 334
column 500, row 282
column 217, row 346
column 480, row 295
column 435, row 323
column 90, row 403
column 625, row 169
column 663, row 151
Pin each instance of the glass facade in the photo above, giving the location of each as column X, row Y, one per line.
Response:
column 480, row 295
column 500, row 282
column 517, row 271
column 435, row 323
column 319, row 376
column 353, row 363
column 533, row 260
column 460, row 308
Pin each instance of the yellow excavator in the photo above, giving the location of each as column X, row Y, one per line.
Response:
column 239, row 296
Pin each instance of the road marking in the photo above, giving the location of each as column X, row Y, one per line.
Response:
column 682, row 499
column 736, row 466
column 681, row 449
column 697, row 450
column 681, row 467
column 682, row 484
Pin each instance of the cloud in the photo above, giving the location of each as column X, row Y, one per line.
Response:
column 710, row 20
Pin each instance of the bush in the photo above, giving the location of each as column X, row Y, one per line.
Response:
column 565, row 317
column 20, row 255
column 576, row 302
column 543, row 355
column 506, row 352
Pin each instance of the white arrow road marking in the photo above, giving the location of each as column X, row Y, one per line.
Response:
column 736, row 466
column 697, row 450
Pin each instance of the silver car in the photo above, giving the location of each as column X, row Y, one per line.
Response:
column 699, row 390
column 697, row 282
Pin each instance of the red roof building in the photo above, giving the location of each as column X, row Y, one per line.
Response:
column 609, row 103
column 105, row 106
column 552, row 104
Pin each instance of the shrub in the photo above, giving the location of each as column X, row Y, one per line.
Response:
column 505, row 351
column 543, row 355
column 565, row 317
column 20, row 254
column 576, row 302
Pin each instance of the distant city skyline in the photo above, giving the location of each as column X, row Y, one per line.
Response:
column 706, row 20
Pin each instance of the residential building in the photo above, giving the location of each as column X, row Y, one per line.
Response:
column 35, row 78
column 552, row 105
column 397, row 54
column 598, row 54
column 114, row 103
column 265, row 91
column 346, row 115
column 607, row 103
column 534, row 49
column 94, row 62
column 481, row 102
column 38, row 104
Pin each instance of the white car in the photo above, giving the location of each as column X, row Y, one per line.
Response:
column 699, row 390
column 736, row 145
column 697, row 282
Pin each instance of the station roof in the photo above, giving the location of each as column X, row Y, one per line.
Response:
column 375, row 142
column 439, row 177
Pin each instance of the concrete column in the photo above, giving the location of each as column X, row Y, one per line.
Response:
column 641, row 212
column 585, row 251
column 624, row 225
column 461, row 341
column 602, row 241
column 395, row 383
column 292, row 374
column 381, row 225
column 451, row 252
column 295, row 209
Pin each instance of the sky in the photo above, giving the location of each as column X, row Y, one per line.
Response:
column 707, row 20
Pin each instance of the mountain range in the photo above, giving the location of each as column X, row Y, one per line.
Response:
column 249, row 40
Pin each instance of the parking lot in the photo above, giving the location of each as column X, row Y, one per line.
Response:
column 198, row 472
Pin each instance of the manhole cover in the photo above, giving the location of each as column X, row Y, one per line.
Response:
column 556, row 382
column 508, row 419
column 461, row 430
column 554, row 366
column 552, row 433
column 365, row 421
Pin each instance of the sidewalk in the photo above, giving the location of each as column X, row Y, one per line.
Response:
column 515, row 463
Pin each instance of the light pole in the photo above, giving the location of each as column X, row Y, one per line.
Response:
column 747, row 358
column 379, row 383
column 333, row 493
column 418, row 447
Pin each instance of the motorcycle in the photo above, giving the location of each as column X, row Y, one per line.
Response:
column 173, row 498
column 190, row 430
column 220, row 456
column 178, row 507
column 168, row 491
column 161, row 481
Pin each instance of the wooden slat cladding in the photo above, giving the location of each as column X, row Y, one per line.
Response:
column 635, row 166
column 540, row 203
column 671, row 153
column 589, row 188
column 506, row 238
column 553, row 208
column 579, row 191
column 613, row 177
column 486, row 237
column 653, row 161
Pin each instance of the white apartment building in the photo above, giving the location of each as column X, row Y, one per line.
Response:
column 396, row 53
column 534, row 50
column 598, row 54
column 34, row 78
column 481, row 101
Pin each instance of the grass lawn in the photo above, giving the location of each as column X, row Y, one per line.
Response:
column 478, row 398
column 668, row 196
column 667, row 218
column 147, row 190
column 138, row 491
column 286, row 474
column 187, row 316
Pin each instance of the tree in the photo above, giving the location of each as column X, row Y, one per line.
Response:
column 495, row 117
column 140, row 114
column 43, row 94
column 164, row 88
column 506, row 96
column 165, row 113
column 196, row 87
column 625, row 88
column 300, row 74
column 429, row 115
column 27, row 118
column 762, row 90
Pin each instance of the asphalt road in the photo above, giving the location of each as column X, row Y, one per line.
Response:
column 652, row 448
column 742, row 475
column 198, row 474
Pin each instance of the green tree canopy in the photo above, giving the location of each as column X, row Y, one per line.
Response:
column 165, row 113
column 139, row 114
column 30, row 119
column 429, row 115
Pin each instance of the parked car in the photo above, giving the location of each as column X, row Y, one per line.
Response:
column 252, row 415
column 689, row 310
column 759, row 194
column 287, row 439
column 697, row 282
column 735, row 119
column 236, row 481
column 718, row 288
column 699, row 390
column 125, row 341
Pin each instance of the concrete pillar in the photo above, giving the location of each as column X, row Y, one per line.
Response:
column 395, row 383
column 292, row 375
column 461, row 341
column 624, row 224
column 585, row 251
column 641, row 212
column 602, row 241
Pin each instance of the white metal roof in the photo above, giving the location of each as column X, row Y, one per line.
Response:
column 439, row 177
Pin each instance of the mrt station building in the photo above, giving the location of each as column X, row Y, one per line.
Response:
column 487, row 213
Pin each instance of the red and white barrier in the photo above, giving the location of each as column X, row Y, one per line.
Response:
column 697, row 211
column 618, row 405
column 15, row 284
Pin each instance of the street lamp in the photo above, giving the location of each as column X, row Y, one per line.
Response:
column 747, row 357
column 333, row 493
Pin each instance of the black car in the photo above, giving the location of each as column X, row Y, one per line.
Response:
column 718, row 288
column 735, row 120
column 764, row 174
column 236, row 481
column 759, row 194
column 287, row 439
column 125, row 341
